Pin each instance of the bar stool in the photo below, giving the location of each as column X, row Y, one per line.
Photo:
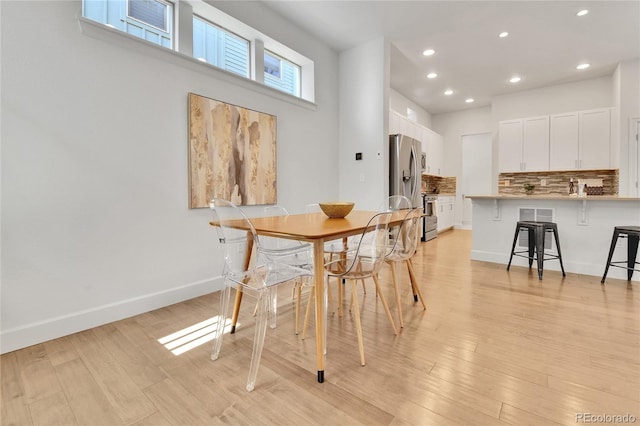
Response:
column 632, row 233
column 537, row 231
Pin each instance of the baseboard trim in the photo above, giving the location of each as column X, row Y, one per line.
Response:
column 53, row 328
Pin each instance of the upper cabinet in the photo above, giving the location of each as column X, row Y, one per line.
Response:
column 432, row 142
column 432, row 145
column 569, row 141
column 524, row 144
column 580, row 140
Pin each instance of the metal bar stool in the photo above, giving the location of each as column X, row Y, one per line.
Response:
column 632, row 233
column 537, row 231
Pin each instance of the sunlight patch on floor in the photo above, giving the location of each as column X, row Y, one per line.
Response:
column 193, row 336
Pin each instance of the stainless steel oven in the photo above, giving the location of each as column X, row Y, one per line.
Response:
column 429, row 220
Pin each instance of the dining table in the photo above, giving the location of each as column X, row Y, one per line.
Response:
column 314, row 228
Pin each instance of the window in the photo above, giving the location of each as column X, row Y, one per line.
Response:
column 151, row 20
column 281, row 74
column 221, row 48
column 196, row 29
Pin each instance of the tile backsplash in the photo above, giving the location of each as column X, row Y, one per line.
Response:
column 439, row 184
column 557, row 182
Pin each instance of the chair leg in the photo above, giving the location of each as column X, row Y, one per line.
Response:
column 614, row 240
column 394, row 276
column 273, row 300
column 356, row 314
column 555, row 234
column 414, row 283
column 258, row 340
column 513, row 246
column 532, row 244
column 298, row 290
column 632, row 252
column 539, row 236
column 385, row 305
column 222, row 316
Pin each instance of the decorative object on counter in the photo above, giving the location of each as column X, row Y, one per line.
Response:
column 581, row 189
column 338, row 209
column 595, row 190
column 528, row 188
column 572, row 188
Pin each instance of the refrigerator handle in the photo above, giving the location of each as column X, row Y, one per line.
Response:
column 416, row 175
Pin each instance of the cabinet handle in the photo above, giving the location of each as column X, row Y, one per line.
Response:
column 576, row 164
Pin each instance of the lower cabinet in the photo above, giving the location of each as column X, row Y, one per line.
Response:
column 445, row 212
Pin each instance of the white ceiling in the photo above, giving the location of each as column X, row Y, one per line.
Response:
column 546, row 41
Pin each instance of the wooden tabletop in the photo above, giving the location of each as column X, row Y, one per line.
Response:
column 312, row 226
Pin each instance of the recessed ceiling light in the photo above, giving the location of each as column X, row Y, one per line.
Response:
column 448, row 92
column 428, row 52
column 432, row 75
column 514, row 79
column 582, row 12
column 503, row 34
column 469, row 100
column 583, row 66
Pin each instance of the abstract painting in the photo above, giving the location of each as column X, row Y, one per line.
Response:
column 232, row 154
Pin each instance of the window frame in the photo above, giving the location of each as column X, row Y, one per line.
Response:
column 167, row 16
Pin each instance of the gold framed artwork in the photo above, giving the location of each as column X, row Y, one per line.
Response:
column 232, row 154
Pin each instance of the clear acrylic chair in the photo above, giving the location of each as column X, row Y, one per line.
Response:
column 259, row 279
column 292, row 252
column 333, row 249
column 404, row 246
column 363, row 262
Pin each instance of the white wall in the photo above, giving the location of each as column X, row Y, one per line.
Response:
column 364, row 123
column 626, row 83
column 95, row 218
column 452, row 126
column 581, row 95
column 400, row 103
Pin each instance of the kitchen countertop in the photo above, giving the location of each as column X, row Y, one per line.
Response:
column 554, row 197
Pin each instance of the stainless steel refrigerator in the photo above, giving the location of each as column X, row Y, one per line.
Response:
column 405, row 174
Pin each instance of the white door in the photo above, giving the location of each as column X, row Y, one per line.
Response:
column 476, row 171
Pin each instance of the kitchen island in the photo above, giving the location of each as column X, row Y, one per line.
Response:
column 585, row 227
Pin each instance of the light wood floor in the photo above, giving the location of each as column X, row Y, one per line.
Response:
column 493, row 347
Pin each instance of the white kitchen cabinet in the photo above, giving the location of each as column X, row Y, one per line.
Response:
column 580, row 140
column 564, row 139
column 445, row 212
column 595, row 139
column 432, row 142
column 434, row 150
column 524, row 144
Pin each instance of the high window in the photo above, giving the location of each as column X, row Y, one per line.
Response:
column 219, row 47
column 281, row 74
column 151, row 20
column 197, row 29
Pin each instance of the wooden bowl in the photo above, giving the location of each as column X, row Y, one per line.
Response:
column 337, row 209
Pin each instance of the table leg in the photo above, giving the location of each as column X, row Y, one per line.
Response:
column 318, row 264
column 238, row 301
